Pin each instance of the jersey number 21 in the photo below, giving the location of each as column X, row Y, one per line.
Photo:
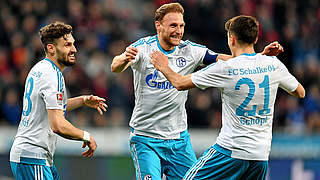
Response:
column 240, row 111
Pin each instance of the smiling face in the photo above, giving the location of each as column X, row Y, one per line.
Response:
column 170, row 30
column 65, row 50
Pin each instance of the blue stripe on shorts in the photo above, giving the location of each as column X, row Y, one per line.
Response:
column 217, row 163
column 22, row 171
column 154, row 157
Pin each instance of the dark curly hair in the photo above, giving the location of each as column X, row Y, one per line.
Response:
column 52, row 32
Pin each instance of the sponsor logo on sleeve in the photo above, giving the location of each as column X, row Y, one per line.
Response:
column 59, row 98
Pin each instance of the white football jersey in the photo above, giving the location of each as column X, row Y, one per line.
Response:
column 248, row 85
column 159, row 110
column 44, row 89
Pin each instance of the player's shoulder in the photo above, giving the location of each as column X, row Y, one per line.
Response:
column 187, row 43
column 45, row 68
column 270, row 59
column 144, row 41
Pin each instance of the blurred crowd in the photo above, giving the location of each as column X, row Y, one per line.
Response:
column 103, row 28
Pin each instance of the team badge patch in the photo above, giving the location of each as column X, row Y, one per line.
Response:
column 181, row 62
column 147, row 177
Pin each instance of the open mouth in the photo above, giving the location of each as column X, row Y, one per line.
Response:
column 175, row 38
column 72, row 56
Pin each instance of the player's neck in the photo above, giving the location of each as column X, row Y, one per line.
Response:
column 243, row 49
column 55, row 61
column 165, row 46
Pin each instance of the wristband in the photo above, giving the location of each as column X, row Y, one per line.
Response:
column 86, row 136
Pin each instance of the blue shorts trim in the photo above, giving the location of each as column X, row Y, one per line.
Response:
column 154, row 157
column 26, row 160
column 216, row 164
column 22, row 171
column 222, row 150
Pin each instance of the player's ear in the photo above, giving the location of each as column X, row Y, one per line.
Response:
column 255, row 42
column 157, row 24
column 232, row 39
column 51, row 48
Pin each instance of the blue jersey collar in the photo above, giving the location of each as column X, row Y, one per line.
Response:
column 247, row 54
column 53, row 64
column 162, row 50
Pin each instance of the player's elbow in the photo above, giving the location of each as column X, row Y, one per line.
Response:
column 56, row 129
column 299, row 92
column 183, row 83
column 179, row 87
column 114, row 68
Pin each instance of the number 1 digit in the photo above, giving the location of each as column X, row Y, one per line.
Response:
column 265, row 85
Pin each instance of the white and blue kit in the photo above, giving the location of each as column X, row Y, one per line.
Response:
column 248, row 85
column 159, row 119
column 31, row 154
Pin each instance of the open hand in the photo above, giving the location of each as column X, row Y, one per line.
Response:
column 159, row 60
column 96, row 102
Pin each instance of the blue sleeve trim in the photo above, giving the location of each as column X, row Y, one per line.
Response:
column 144, row 41
column 210, row 57
column 194, row 44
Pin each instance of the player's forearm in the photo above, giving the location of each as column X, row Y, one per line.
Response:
column 62, row 127
column 224, row 57
column 74, row 103
column 119, row 63
column 179, row 81
column 68, row 131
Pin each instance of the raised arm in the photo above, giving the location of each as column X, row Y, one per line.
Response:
column 180, row 82
column 272, row 49
column 64, row 128
column 124, row 60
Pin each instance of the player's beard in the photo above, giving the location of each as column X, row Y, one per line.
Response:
column 63, row 59
column 169, row 42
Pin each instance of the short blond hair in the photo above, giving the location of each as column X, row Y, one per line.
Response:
column 167, row 8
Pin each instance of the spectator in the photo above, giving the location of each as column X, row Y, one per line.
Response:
column 106, row 26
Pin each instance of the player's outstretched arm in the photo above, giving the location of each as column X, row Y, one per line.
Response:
column 124, row 60
column 64, row 128
column 299, row 92
column 272, row 49
column 224, row 57
column 160, row 62
column 95, row 102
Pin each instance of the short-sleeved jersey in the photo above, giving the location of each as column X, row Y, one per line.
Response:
column 159, row 110
column 44, row 89
column 248, row 85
